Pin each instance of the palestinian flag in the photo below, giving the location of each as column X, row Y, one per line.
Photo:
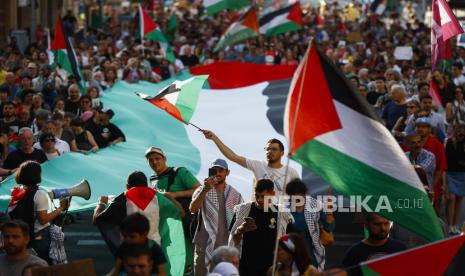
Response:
column 171, row 28
column 284, row 20
column 178, row 99
column 163, row 216
column 332, row 131
column 440, row 258
column 245, row 27
column 65, row 56
column 214, row 6
column 150, row 30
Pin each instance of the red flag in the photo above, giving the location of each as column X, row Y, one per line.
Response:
column 444, row 25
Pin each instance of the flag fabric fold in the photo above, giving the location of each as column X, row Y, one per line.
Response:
column 332, row 131
column 214, row 6
column 245, row 27
column 444, row 25
column 423, row 260
column 178, row 99
column 150, row 30
column 281, row 21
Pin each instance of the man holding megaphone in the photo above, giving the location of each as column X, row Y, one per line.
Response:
column 30, row 204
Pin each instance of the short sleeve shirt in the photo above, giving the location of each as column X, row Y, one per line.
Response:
column 261, row 170
column 40, row 204
column 8, row 267
column 183, row 181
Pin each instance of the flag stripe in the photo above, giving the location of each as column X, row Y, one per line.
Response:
column 338, row 86
column 370, row 142
column 267, row 18
column 189, row 96
column 168, row 107
column 352, row 177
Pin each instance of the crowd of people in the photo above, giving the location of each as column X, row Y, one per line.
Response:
column 45, row 113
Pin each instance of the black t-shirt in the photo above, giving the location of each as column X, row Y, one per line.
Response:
column 258, row 245
column 372, row 97
column 72, row 107
column 13, row 127
column 362, row 252
column 455, row 156
column 191, row 60
column 157, row 255
column 114, row 133
column 17, row 157
column 95, row 129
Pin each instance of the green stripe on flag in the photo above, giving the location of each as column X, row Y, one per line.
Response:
column 284, row 28
column 156, row 35
column 229, row 39
column 366, row 271
column 189, row 96
column 352, row 177
column 170, row 229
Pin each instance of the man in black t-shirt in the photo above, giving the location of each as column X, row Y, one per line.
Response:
column 109, row 134
column 376, row 245
column 256, row 227
column 25, row 152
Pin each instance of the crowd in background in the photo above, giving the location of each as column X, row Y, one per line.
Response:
column 45, row 112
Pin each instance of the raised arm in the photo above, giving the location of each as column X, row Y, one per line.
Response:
column 225, row 150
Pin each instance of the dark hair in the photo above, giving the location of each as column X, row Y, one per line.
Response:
column 135, row 250
column 69, row 115
column 380, row 78
column 264, row 185
column 276, row 141
column 9, row 103
column 458, row 65
column 84, row 97
column 45, row 135
column 136, row 179
column 422, row 97
column 77, row 122
column 29, row 173
column 57, row 116
column 16, row 223
column 135, row 223
column 301, row 255
column 296, row 186
column 421, row 84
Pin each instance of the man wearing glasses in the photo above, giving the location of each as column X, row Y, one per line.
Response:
column 272, row 168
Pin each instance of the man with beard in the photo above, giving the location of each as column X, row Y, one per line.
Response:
column 15, row 236
column 272, row 168
column 376, row 245
column 74, row 96
column 10, row 121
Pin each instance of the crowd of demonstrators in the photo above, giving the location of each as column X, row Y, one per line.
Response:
column 46, row 112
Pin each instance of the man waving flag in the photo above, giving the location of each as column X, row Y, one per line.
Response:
column 332, row 130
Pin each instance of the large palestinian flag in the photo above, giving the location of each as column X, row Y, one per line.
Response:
column 281, row 21
column 214, row 6
column 332, row 130
column 150, row 30
column 444, row 257
column 245, row 27
column 65, row 56
column 165, row 223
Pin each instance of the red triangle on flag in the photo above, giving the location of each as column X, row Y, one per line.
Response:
column 58, row 42
column 430, row 259
column 141, row 196
column 251, row 20
column 147, row 23
column 309, row 100
column 295, row 14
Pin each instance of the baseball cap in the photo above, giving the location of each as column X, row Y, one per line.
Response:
column 423, row 120
column 219, row 163
column 108, row 111
column 154, row 150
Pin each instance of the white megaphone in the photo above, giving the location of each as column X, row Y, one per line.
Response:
column 82, row 189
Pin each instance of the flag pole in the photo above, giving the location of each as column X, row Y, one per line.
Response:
column 196, row 126
column 291, row 137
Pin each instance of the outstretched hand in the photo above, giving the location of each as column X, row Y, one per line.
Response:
column 208, row 134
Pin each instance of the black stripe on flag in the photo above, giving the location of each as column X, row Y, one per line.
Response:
column 269, row 16
column 343, row 91
column 72, row 59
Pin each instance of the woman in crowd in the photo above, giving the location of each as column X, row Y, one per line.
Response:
column 31, row 204
column 85, row 141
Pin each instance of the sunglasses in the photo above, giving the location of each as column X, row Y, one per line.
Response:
column 50, row 140
column 411, row 106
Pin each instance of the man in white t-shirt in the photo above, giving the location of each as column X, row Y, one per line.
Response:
column 272, row 168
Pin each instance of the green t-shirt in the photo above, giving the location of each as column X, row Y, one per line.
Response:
column 184, row 180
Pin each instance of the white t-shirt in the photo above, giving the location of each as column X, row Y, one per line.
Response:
column 40, row 204
column 261, row 170
column 61, row 145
